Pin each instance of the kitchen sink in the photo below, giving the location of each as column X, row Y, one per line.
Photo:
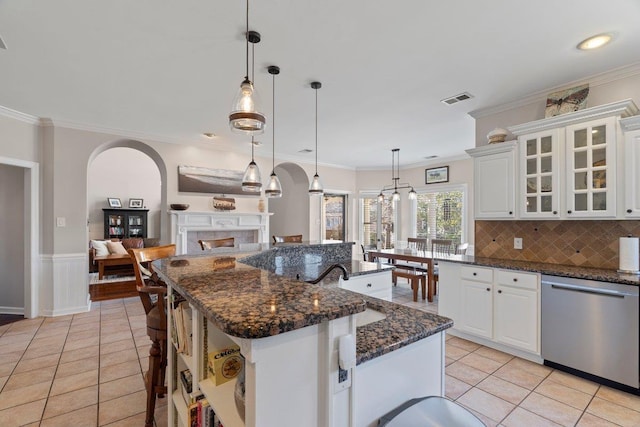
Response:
column 369, row 316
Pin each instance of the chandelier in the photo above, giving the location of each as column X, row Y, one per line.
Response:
column 395, row 177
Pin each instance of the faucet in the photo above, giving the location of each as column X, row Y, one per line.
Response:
column 345, row 273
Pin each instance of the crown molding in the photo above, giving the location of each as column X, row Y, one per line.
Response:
column 630, row 123
column 17, row 115
column 624, row 108
column 593, row 81
column 498, row 147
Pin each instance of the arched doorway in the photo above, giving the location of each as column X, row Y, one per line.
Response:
column 122, row 168
column 290, row 212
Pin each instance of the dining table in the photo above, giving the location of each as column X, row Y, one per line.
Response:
column 426, row 258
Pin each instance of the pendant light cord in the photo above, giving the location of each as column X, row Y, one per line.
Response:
column 316, row 131
column 246, row 36
column 273, row 126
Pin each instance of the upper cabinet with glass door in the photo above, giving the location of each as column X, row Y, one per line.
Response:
column 540, row 183
column 591, row 169
column 586, row 145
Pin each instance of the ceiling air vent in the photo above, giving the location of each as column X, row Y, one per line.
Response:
column 457, row 98
column 305, row 150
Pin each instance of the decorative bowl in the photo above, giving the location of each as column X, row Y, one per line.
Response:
column 179, row 206
column 497, row 135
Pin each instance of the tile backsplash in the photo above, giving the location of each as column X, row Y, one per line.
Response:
column 592, row 243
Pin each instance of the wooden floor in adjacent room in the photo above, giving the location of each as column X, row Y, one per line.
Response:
column 112, row 288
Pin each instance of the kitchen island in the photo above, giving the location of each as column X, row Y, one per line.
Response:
column 296, row 339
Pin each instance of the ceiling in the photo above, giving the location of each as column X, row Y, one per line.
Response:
column 170, row 70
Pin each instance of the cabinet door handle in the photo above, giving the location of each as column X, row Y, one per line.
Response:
column 499, row 291
column 629, row 211
column 475, row 274
column 488, row 289
column 568, row 212
column 515, row 279
column 510, row 212
column 555, row 212
column 369, row 285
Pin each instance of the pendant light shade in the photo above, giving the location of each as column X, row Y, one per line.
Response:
column 252, row 179
column 315, row 189
column 273, row 189
column 245, row 114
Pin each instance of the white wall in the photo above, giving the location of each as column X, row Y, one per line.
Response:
column 12, row 244
column 123, row 173
column 289, row 211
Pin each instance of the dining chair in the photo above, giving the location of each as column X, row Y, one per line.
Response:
column 228, row 242
column 148, row 283
column 439, row 247
column 417, row 243
column 295, row 238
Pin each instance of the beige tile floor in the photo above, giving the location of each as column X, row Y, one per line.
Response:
column 86, row 370
column 503, row 390
column 77, row 370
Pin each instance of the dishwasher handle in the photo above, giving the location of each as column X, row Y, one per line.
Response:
column 585, row 289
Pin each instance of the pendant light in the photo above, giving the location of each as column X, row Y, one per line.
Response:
column 315, row 189
column 274, row 189
column 245, row 116
column 395, row 177
column 252, row 180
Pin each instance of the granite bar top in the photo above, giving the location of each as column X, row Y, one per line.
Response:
column 312, row 270
column 600, row 274
column 248, row 302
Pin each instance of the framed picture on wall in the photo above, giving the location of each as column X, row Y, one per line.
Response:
column 436, row 175
column 135, row 203
column 114, row 202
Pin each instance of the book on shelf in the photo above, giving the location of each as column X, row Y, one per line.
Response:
column 186, row 382
column 225, row 364
column 182, row 327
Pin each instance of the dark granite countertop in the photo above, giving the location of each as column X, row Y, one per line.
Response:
column 250, row 302
column 402, row 326
column 600, row 274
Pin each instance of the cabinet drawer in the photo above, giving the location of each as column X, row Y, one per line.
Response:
column 368, row 283
column 477, row 274
column 518, row 279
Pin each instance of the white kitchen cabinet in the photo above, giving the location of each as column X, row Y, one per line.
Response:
column 377, row 285
column 591, row 169
column 476, row 308
column 516, row 310
column 494, row 180
column 540, row 174
column 498, row 307
column 631, row 127
column 585, row 180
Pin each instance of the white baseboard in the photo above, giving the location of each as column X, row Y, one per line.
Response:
column 497, row 346
column 12, row 310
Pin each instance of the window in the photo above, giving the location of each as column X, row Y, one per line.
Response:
column 335, row 215
column 440, row 215
column 377, row 222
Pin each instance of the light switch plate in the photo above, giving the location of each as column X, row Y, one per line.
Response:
column 61, row 221
column 517, row 243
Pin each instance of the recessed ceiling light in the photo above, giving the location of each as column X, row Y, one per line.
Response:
column 431, row 157
column 305, row 150
column 209, row 134
column 595, row 42
column 256, row 143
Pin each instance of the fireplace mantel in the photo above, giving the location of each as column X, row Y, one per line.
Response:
column 182, row 222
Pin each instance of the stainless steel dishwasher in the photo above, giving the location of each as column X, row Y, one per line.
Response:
column 591, row 327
